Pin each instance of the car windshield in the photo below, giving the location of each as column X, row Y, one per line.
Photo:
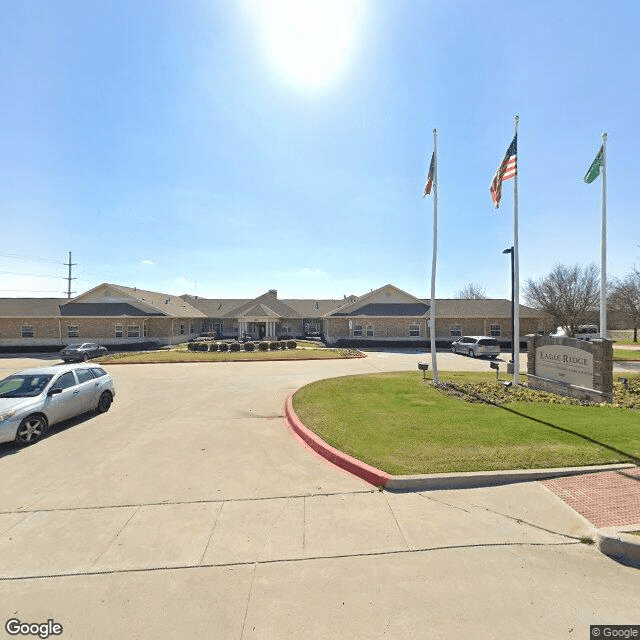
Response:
column 23, row 386
column 73, row 346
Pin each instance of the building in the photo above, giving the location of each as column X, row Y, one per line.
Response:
column 389, row 315
column 115, row 315
column 109, row 314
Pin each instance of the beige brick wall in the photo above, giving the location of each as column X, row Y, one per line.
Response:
column 45, row 331
column 482, row 326
column 383, row 328
column 54, row 331
column 398, row 328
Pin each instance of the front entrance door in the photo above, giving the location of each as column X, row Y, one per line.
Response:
column 262, row 331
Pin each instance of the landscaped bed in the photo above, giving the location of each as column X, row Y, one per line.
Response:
column 401, row 424
column 180, row 353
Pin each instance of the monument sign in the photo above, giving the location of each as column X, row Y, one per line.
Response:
column 571, row 367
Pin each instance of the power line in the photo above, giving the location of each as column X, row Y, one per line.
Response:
column 29, row 290
column 30, row 275
column 15, row 255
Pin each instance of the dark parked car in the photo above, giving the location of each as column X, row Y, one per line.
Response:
column 82, row 352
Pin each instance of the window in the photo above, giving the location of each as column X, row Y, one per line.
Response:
column 216, row 327
column 98, row 372
column 357, row 330
column 235, row 327
column 72, row 331
column 182, row 328
column 496, row 331
column 285, row 328
column 455, row 331
column 144, row 329
column 26, row 330
column 369, row 331
column 119, row 330
column 133, row 331
column 414, row 330
column 203, row 327
column 84, row 375
column 65, row 381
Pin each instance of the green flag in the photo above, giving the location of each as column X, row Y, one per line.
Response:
column 594, row 169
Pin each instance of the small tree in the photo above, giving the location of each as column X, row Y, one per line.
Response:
column 471, row 291
column 569, row 294
column 624, row 297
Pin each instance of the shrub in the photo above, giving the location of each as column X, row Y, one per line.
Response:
column 223, row 346
column 201, row 346
column 263, row 346
column 274, row 346
column 282, row 345
column 292, row 344
column 249, row 346
column 234, row 346
column 192, row 346
column 213, row 346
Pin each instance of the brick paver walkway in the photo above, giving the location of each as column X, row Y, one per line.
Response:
column 607, row 499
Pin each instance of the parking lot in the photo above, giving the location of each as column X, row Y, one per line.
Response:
column 189, row 510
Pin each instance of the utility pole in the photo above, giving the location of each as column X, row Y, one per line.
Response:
column 69, row 278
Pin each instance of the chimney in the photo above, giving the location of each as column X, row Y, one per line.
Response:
column 274, row 292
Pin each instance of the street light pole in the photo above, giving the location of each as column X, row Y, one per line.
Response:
column 513, row 324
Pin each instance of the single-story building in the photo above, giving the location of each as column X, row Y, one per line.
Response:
column 391, row 315
column 265, row 316
column 109, row 314
column 116, row 315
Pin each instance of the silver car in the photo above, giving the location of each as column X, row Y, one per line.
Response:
column 476, row 346
column 34, row 399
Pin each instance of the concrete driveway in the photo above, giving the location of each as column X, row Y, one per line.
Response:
column 189, row 511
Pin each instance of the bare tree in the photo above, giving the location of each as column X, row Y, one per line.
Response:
column 471, row 291
column 624, row 297
column 569, row 294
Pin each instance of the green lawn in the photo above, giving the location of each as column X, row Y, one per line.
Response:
column 626, row 354
column 402, row 425
column 183, row 355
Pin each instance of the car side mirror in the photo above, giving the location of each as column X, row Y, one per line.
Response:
column 53, row 392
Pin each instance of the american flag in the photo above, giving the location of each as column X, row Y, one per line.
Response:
column 427, row 188
column 507, row 169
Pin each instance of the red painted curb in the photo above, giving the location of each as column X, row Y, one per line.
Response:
column 358, row 468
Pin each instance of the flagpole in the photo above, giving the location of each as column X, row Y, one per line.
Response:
column 516, row 273
column 603, row 242
column 432, row 310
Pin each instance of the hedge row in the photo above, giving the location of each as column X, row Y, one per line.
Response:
column 236, row 346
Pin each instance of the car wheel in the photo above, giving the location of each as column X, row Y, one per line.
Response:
column 472, row 353
column 105, row 402
column 31, row 430
column 453, row 349
column 85, row 357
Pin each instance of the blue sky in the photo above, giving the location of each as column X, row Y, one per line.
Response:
column 224, row 148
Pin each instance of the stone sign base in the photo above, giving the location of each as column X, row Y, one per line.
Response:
column 566, row 389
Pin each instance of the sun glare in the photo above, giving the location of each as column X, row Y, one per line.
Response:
column 307, row 40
